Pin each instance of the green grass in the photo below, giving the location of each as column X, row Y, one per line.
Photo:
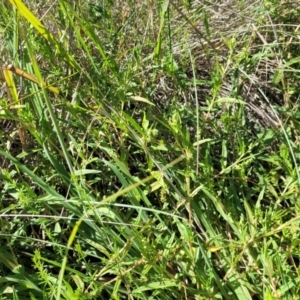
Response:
column 166, row 167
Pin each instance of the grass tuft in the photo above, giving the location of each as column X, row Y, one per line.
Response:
column 149, row 150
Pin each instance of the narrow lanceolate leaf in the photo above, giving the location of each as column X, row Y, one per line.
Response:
column 36, row 23
column 7, row 259
column 30, row 17
column 141, row 99
column 155, row 285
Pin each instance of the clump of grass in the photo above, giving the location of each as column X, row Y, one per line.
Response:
column 167, row 164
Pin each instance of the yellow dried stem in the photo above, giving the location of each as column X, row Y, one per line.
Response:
column 24, row 74
column 11, row 87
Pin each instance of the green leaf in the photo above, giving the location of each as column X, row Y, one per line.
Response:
column 155, row 285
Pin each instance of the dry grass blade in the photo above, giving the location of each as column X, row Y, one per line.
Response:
column 24, row 74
